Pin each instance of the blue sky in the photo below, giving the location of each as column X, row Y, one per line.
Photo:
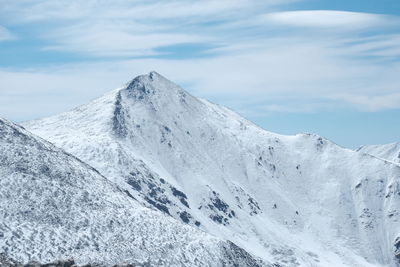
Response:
column 326, row 67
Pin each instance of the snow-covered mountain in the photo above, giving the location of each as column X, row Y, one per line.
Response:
column 53, row 206
column 291, row 200
column 389, row 152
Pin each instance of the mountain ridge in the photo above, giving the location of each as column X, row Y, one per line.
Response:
column 54, row 207
column 207, row 166
column 390, row 152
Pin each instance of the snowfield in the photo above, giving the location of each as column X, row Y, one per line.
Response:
column 53, row 206
column 291, row 200
column 390, row 152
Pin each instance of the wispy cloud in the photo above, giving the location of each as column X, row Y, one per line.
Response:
column 257, row 52
column 5, row 34
column 374, row 102
column 331, row 19
column 385, row 45
column 35, row 10
column 104, row 39
column 131, row 28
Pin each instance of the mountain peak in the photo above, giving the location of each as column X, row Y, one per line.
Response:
column 206, row 166
column 154, row 88
column 152, row 79
column 153, row 74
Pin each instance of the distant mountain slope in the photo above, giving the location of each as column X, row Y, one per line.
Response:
column 389, row 152
column 292, row 200
column 53, row 206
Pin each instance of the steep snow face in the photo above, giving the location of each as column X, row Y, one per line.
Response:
column 53, row 206
column 293, row 200
column 389, row 152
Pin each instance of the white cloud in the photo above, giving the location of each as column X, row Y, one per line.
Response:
column 342, row 20
column 103, row 40
column 5, row 34
column 372, row 102
column 385, row 45
column 290, row 78
column 37, row 93
column 259, row 63
column 34, row 10
column 130, row 28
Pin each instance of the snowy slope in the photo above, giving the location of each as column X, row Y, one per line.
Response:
column 389, row 152
column 53, row 206
column 292, row 200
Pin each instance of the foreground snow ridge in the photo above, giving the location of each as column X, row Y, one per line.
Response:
column 289, row 200
column 54, row 206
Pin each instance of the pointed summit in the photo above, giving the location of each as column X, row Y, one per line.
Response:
column 151, row 84
column 146, row 78
column 150, row 91
column 156, row 96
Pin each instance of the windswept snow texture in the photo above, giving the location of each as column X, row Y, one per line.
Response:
column 292, row 200
column 389, row 152
column 53, row 206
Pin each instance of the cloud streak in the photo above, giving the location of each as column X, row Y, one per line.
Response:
column 331, row 19
column 258, row 57
column 5, row 34
column 372, row 103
